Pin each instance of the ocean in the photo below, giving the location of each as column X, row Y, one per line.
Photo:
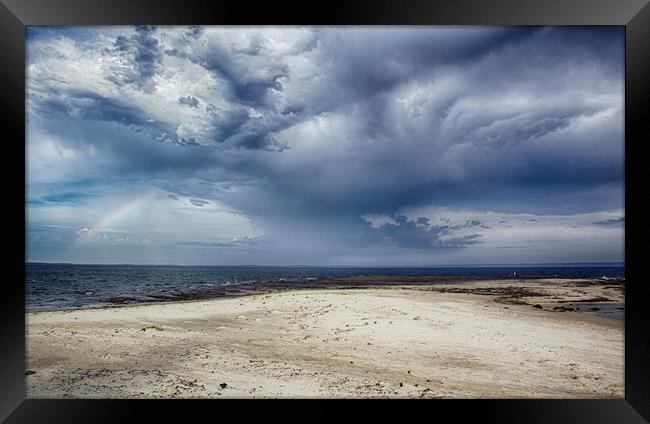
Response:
column 69, row 286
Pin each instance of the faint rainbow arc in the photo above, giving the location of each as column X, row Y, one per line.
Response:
column 119, row 211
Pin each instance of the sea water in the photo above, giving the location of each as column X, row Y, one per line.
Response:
column 63, row 286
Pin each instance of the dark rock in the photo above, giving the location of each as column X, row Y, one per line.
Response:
column 223, row 385
column 537, row 306
column 29, row 372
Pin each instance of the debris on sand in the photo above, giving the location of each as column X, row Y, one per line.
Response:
column 152, row 327
column 563, row 309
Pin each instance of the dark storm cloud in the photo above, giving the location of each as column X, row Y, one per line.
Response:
column 79, row 105
column 194, row 31
column 251, row 84
column 67, row 197
column 418, row 234
column 374, row 61
column 313, row 130
column 198, row 202
column 362, row 57
column 189, row 101
column 610, row 222
column 255, row 48
column 245, row 87
column 499, row 147
column 143, row 47
column 124, row 153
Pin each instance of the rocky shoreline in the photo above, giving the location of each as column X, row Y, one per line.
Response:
column 507, row 290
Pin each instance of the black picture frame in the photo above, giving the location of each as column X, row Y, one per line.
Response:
column 15, row 15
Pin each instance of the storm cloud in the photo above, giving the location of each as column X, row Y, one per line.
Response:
column 294, row 136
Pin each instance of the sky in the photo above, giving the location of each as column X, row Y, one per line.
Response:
column 359, row 146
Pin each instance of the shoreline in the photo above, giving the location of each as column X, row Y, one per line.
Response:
column 397, row 341
column 340, row 282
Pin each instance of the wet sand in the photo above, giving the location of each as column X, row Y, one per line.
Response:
column 371, row 337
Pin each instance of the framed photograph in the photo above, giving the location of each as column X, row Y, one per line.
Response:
column 358, row 200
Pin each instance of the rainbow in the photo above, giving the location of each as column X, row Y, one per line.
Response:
column 121, row 210
column 118, row 212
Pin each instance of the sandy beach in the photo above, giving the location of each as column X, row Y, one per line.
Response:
column 483, row 339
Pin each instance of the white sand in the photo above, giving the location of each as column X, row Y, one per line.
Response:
column 392, row 342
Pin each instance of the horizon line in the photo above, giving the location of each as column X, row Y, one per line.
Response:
column 519, row 264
